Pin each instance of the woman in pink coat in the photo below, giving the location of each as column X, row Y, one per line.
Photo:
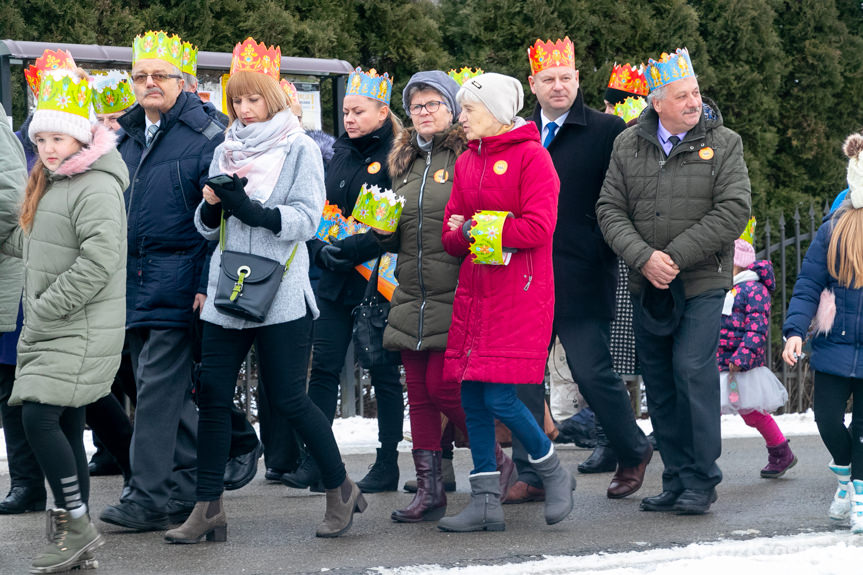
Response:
column 502, row 314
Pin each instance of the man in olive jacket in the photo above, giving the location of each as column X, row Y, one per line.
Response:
column 675, row 197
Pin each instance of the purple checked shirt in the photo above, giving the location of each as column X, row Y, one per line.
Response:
column 664, row 135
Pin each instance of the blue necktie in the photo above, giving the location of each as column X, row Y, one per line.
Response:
column 552, row 128
column 151, row 133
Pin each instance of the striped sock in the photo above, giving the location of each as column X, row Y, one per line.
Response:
column 72, row 496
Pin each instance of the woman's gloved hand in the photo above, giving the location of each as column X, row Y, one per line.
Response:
column 332, row 258
column 233, row 194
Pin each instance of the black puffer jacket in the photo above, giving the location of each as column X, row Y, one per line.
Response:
column 356, row 161
column 421, row 309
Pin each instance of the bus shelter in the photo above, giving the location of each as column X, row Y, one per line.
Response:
column 306, row 74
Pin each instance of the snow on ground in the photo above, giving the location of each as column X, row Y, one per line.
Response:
column 357, row 435
column 808, row 554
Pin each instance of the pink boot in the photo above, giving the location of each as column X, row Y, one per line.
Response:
column 779, row 460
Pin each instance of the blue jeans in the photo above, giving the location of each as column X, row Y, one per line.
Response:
column 681, row 377
column 483, row 402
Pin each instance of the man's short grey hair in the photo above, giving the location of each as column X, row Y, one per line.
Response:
column 191, row 82
column 658, row 94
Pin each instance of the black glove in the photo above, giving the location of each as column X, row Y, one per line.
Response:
column 211, row 215
column 232, row 194
column 331, row 257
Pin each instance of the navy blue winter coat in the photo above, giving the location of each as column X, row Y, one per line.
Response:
column 167, row 256
column 840, row 352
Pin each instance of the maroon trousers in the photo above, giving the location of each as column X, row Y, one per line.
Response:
column 429, row 396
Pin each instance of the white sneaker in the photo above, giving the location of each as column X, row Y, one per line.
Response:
column 840, row 507
column 857, row 511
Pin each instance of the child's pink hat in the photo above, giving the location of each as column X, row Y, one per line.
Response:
column 744, row 253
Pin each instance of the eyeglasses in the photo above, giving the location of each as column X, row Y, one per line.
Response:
column 158, row 78
column 430, row 107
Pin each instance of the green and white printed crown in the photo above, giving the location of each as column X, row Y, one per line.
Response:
column 379, row 209
column 112, row 92
column 487, row 238
column 65, row 91
column 158, row 46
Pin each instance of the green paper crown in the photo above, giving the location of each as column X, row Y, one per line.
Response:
column 749, row 233
column 630, row 108
column 65, row 92
column 487, row 236
column 112, row 93
column 465, row 74
column 379, row 209
column 158, row 46
column 189, row 59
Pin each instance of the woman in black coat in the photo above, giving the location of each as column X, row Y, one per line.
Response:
column 360, row 157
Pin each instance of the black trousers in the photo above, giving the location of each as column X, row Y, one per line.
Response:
column 682, row 381
column 332, row 336
column 830, row 398
column 281, row 447
column 283, row 355
column 24, row 470
column 57, row 436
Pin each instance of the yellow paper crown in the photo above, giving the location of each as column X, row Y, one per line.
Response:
column 669, row 68
column 158, row 46
column 290, row 91
column 629, row 79
column 189, row 59
column 487, row 238
column 112, row 93
column 465, row 74
column 749, row 233
column 251, row 56
column 544, row 55
column 370, row 85
column 630, row 108
column 49, row 60
column 65, row 91
column 378, row 209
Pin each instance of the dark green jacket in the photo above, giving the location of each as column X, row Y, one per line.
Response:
column 691, row 205
column 421, row 309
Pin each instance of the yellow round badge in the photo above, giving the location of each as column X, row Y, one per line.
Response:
column 705, row 153
column 374, row 167
column 441, row 176
column 500, row 167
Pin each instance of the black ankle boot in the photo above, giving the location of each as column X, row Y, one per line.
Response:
column 306, row 475
column 603, row 459
column 383, row 475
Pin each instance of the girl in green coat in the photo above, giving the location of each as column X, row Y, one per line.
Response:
column 72, row 238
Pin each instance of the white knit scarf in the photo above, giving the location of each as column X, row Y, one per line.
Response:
column 258, row 152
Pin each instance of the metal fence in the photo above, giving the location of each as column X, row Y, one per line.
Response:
column 785, row 244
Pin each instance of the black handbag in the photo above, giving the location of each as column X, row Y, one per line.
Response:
column 370, row 320
column 247, row 283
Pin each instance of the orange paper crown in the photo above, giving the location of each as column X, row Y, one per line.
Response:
column 250, row 56
column 629, row 79
column 544, row 55
column 49, row 60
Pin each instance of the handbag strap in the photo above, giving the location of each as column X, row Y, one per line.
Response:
column 372, row 286
column 223, row 238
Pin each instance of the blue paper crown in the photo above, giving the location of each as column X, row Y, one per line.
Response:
column 370, row 85
column 669, row 68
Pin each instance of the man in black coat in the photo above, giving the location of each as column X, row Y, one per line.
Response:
column 580, row 141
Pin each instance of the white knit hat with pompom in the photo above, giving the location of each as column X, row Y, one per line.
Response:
column 853, row 147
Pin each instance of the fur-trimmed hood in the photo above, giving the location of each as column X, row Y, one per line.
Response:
column 102, row 142
column 406, row 149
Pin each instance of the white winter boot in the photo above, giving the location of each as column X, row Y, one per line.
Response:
column 840, row 507
column 857, row 508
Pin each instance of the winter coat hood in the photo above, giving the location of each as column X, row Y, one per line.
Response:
column 406, row 148
column 763, row 270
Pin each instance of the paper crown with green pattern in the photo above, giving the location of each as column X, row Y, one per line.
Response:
column 378, row 209
column 465, row 74
column 748, row 234
column 65, row 91
column 630, row 108
column 189, row 59
column 669, row 68
column 158, row 46
column 112, row 92
column 370, row 84
column 487, row 238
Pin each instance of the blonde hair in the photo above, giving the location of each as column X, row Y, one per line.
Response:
column 845, row 250
column 244, row 83
column 37, row 185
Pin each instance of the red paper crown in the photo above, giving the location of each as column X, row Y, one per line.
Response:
column 629, row 79
column 49, row 60
column 250, row 56
column 544, row 55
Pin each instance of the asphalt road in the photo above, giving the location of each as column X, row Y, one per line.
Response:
column 271, row 528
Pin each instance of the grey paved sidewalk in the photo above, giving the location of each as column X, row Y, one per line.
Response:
column 271, row 528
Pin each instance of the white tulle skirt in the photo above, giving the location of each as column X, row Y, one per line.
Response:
column 756, row 390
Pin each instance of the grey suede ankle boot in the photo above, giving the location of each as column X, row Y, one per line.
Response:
column 559, row 485
column 342, row 503
column 484, row 512
column 206, row 520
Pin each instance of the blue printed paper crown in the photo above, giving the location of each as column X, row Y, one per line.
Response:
column 370, row 85
column 669, row 68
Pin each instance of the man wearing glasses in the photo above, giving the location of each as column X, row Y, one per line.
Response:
column 167, row 142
